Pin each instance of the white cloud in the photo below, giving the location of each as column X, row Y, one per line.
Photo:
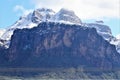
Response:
column 21, row 10
column 85, row 9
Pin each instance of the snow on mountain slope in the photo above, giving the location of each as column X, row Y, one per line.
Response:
column 102, row 29
column 8, row 33
column 118, row 36
column 42, row 15
column 29, row 21
column 106, row 33
column 65, row 15
column 116, row 41
column 23, row 22
column 1, row 32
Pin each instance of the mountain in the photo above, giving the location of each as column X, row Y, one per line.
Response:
column 28, row 21
column 50, row 40
column 48, row 15
column 41, row 15
column 63, row 16
column 56, row 45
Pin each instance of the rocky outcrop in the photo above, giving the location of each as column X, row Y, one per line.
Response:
column 61, row 45
column 42, row 14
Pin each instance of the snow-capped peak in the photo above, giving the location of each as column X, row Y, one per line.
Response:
column 42, row 15
column 29, row 21
column 34, row 17
column 67, row 16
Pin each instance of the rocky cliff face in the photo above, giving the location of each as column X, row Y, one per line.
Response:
column 61, row 45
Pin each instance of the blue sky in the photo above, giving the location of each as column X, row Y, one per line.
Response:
column 8, row 15
column 106, row 10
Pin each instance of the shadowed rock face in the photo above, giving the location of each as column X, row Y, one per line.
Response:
column 61, row 45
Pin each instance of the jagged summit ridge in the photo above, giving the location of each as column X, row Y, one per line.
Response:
column 41, row 15
column 67, row 15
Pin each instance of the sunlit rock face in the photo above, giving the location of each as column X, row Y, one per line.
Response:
column 67, row 16
column 61, row 45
